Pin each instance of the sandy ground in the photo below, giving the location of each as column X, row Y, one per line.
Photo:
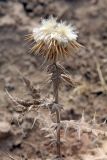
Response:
column 17, row 18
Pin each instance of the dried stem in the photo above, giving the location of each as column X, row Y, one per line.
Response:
column 58, row 134
column 56, row 77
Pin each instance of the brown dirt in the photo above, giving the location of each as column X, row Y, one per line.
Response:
column 16, row 20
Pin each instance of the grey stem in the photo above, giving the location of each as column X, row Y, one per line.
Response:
column 56, row 81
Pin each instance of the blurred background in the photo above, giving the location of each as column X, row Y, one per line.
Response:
column 17, row 18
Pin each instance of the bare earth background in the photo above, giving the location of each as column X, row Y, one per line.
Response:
column 17, row 18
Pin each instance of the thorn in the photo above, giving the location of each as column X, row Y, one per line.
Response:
column 82, row 118
column 35, row 119
column 94, row 118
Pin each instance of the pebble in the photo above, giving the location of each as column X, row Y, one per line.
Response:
column 5, row 129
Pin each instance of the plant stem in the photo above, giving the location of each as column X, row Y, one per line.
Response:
column 56, row 81
column 58, row 134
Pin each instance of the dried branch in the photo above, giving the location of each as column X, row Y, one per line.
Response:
column 102, row 80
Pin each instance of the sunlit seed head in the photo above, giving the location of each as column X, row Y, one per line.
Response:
column 48, row 25
column 67, row 32
column 54, row 39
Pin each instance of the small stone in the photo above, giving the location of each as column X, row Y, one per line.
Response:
column 9, row 87
column 39, row 10
column 5, row 129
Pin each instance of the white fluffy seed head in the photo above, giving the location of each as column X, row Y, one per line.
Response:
column 53, row 39
column 51, row 29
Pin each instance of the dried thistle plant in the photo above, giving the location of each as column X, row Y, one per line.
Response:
column 54, row 40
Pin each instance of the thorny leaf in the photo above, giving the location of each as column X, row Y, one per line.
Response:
column 18, row 101
column 52, row 142
column 46, row 121
column 33, row 91
column 49, row 135
column 83, row 126
column 69, row 80
column 51, row 69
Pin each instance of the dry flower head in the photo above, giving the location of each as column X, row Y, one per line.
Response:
column 53, row 39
